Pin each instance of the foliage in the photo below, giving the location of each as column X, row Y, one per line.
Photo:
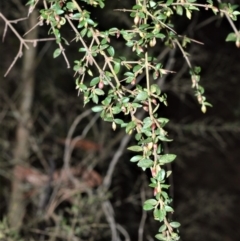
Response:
column 115, row 86
column 123, row 88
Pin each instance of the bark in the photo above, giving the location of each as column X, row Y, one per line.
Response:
column 17, row 203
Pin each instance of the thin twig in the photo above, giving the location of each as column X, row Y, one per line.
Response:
column 169, row 65
column 184, row 54
column 37, row 24
column 124, row 232
column 14, row 30
column 64, row 55
column 4, row 32
column 23, row 42
column 108, row 178
column 69, row 144
column 109, row 213
column 67, row 150
column 19, row 55
column 143, row 218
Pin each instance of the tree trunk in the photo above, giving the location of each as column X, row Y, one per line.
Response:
column 17, row 203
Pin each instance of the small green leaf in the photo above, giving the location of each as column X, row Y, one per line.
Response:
column 160, row 35
column 116, row 67
column 159, row 214
column 169, row 209
column 130, row 126
column 107, row 100
column 136, row 158
column 104, row 41
column 59, row 11
column 164, row 138
column 97, row 108
column 151, row 202
column 167, row 158
column 137, row 7
column 175, row 224
column 118, row 121
column 188, row 13
column 111, row 51
column 116, row 110
column 101, row 4
column 165, row 195
column 179, row 10
column 71, row 6
column 83, row 32
column 82, row 50
column 76, row 15
column 135, row 148
column 94, row 81
column 162, row 228
column 99, row 92
column 231, row 37
column 130, row 79
column 90, row 72
column 95, row 98
column 160, row 237
column 165, row 185
column 56, row 53
column 82, row 87
column 236, row 13
column 155, row 89
column 203, row 109
column 169, row 173
column 152, row 4
column 169, row 2
column 143, row 95
column 138, row 136
column 148, row 207
column 136, row 68
column 90, row 21
column 161, row 175
column 130, row 74
column 145, row 163
column 125, row 100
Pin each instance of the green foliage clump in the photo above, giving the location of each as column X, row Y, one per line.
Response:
column 125, row 90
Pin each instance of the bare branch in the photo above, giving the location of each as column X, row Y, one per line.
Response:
column 108, row 178
column 109, row 213
column 64, row 55
column 14, row 30
column 19, row 55
column 124, row 232
column 4, row 32
column 23, row 42
column 143, row 218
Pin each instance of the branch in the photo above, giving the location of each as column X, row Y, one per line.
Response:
column 23, row 42
column 108, row 178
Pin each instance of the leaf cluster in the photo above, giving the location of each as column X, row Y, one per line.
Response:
column 116, row 87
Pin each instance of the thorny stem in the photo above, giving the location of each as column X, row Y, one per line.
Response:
column 14, row 30
column 22, row 40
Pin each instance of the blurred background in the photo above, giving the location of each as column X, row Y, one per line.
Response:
column 65, row 174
